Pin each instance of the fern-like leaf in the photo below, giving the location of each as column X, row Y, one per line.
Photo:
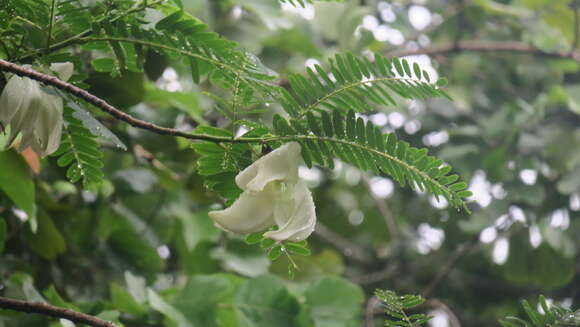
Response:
column 80, row 152
column 220, row 163
column 302, row 3
column 358, row 84
column 550, row 315
column 181, row 36
column 363, row 145
column 396, row 307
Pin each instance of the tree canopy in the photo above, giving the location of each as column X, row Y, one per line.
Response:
column 161, row 160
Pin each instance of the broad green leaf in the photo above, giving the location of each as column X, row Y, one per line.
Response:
column 264, row 302
column 16, row 182
column 124, row 302
column 103, row 65
column 161, row 305
column 2, row 234
column 334, row 302
column 47, row 242
column 206, row 300
column 245, row 259
column 93, row 125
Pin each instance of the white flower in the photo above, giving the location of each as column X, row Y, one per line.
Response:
column 34, row 113
column 273, row 194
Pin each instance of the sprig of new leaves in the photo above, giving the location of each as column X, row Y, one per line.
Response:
column 397, row 306
column 546, row 315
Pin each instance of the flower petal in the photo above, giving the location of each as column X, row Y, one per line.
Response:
column 296, row 217
column 14, row 97
column 48, row 125
column 251, row 212
column 63, row 70
column 278, row 165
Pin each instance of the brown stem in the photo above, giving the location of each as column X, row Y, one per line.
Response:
column 57, row 312
column 448, row 266
column 371, row 310
column 385, row 211
column 347, row 247
column 512, row 47
column 104, row 106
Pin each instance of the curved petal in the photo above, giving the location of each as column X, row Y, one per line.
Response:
column 15, row 97
column 48, row 125
column 295, row 218
column 251, row 212
column 64, row 70
column 23, row 120
column 278, row 165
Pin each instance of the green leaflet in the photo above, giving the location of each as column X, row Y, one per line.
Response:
column 396, row 307
column 353, row 83
column 549, row 315
column 18, row 185
column 80, row 152
column 364, row 146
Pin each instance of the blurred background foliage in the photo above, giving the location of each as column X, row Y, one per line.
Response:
column 140, row 250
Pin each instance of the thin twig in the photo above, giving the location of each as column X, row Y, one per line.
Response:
column 390, row 271
column 50, row 26
column 451, row 316
column 347, row 247
column 384, row 210
column 370, row 311
column 104, row 106
column 512, row 47
column 52, row 311
column 459, row 253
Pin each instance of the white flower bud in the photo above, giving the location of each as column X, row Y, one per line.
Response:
column 33, row 113
column 272, row 195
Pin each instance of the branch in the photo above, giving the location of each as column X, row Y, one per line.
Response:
column 384, row 210
column 57, row 312
column 448, row 266
column 371, row 309
column 512, row 47
column 347, row 247
column 104, row 106
column 452, row 317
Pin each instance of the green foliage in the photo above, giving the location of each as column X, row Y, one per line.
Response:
column 334, row 302
column 17, row 184
column 397, row 306
column 358, row 84
column 142, row 251
column 546, row 314
column 366, row 147
column 80, row 152
column 302, row 3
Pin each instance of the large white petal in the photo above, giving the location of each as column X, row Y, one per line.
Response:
column 251, row 212
column 64, row 70
column 295, row 217
column 48, row 125
column 23, row 120
column 14, row 97
column 278, row 165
